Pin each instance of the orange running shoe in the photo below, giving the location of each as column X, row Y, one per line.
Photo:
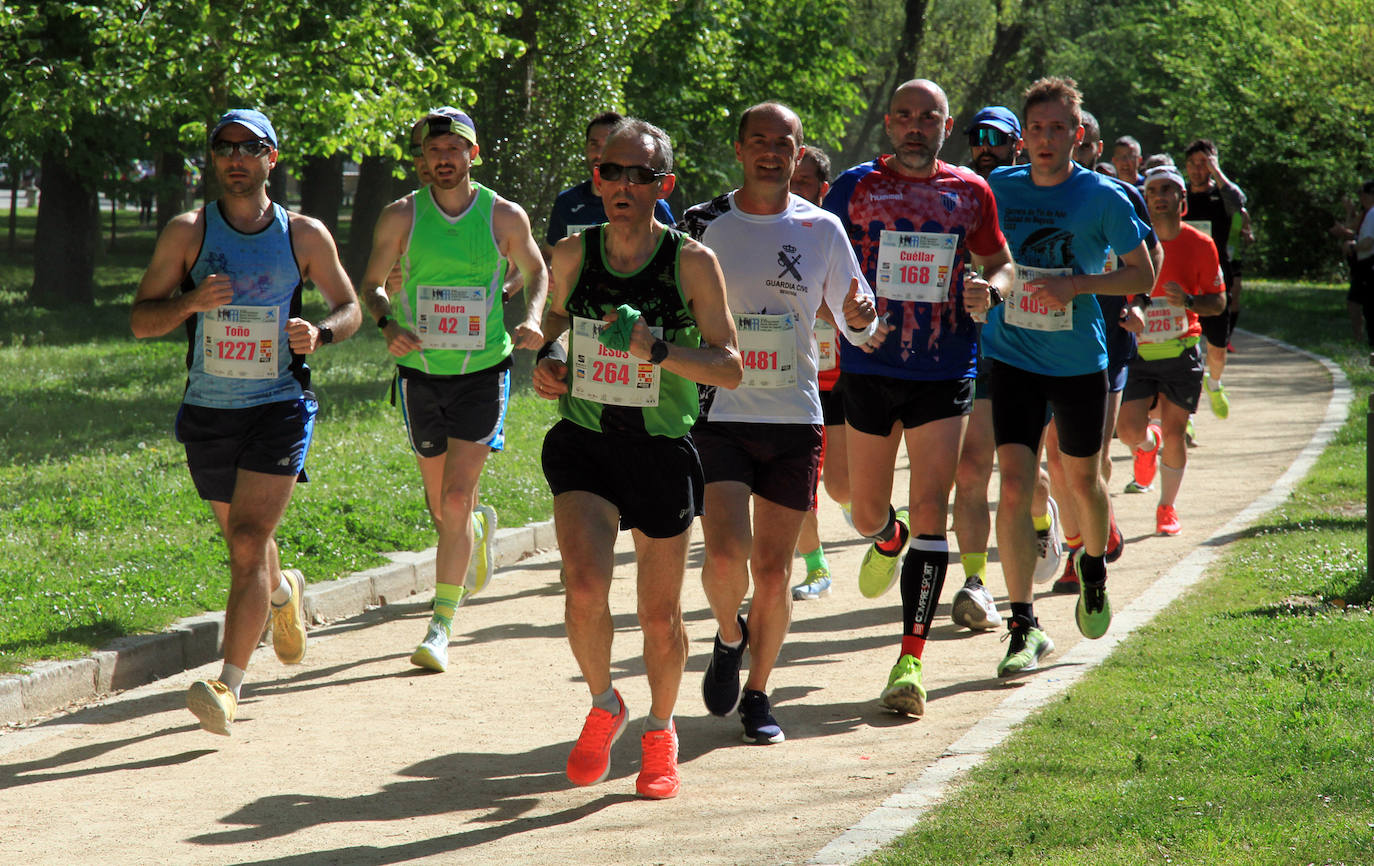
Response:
column 590, row 761
column 1166, row 520
column 1146, row 462
column 658, row 764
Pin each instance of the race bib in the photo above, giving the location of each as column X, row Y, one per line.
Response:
column 1163, row 321
column 1024, row 311
column 1204, row 226
column 604, row 375
column 451, row 317
column 916, row 266
column 241, row 341
column 827, row 347
column 768, row 346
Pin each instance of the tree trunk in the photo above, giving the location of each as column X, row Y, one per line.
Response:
column 904, row 63
column 997, row 73
column 64, row 243
column 15, row 172
column 171, row 186
column 322, row 189
column 375, row 191
column 277, row 186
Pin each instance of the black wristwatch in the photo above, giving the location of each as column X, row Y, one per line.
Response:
column 659, row 353
column 326, row 335
column 383, row 322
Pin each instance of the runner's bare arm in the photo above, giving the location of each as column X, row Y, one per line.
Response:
column 157, row 309
column 1135, row 276
column 318, row 258
column 512, row 227
column 388, row 245
column 716, row 361
column 551, row 374
column 998, row 273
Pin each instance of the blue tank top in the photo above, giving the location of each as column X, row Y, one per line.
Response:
column 239, row 355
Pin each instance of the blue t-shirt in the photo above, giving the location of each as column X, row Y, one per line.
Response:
column 1069, row 225
column 578, row 207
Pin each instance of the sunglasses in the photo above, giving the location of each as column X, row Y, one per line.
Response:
column 253, row 147
column 987, row 137
column 613, row 171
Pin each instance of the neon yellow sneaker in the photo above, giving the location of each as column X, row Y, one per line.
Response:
column 483, row 548
column 904, row 692
column 288, row 621
column 432, row 653
column 878, row 572
column 1221, row 404
column 214, row 704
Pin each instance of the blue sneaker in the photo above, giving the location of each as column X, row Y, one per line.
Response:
column 816, row 585
column 760, row 728
column 720, row 685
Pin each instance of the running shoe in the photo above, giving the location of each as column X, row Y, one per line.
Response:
column 1146, row 462
column 214, row 704
column 483, row 548
column 1190, row 434
column 590, row 760
column 1166, row 520
column 878, row 572
column 1116, row 542
column 760, row 728
column 720, row 683
column 1049, row 548
column 1027, row 644
column 816, row 585
column 1068, row 581
column 1221, row 404
column 904, row 692
column 973, row 607
column 658, row 764
column 847, row 510
column 1093, row 613
column 432, row 653
column 288, row 621
column 1133, row 486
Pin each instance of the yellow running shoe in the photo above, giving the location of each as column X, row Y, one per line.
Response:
column 878, row 571
column 213, row 704
column 288, row 621
column 483, row 548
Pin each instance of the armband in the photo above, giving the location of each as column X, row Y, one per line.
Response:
column 552, row 349
column 994, row 296
column 1188, row 302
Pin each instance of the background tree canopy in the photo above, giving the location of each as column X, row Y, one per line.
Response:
column 1283, row 86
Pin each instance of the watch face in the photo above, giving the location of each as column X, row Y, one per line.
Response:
column 326, row 335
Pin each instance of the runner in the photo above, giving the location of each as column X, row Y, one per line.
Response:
column 917, row 225
column 1126, row 155
column 248, row 414
column 623, row 455
column 760, row 445
column 453, row 354
column 1212, row 201
column 994, row 138
column 811, row 181
column 1048, row 350
column 1169, row 367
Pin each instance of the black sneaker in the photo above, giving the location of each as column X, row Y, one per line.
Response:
column 720, row 685
column 760, row 728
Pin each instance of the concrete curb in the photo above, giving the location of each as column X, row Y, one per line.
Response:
column 193, row 641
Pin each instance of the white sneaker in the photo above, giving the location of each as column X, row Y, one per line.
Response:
column 974, row 608
column 1051, row 548
column 432, row 653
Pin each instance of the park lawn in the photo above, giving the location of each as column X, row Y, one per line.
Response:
column 101, row 531
column 1236, row 728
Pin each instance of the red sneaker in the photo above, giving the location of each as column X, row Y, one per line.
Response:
column 1166, row 520
column 590, row 761
column 1068, row 582
column 658, row 764
column 1146, row 462
column 1116, row 543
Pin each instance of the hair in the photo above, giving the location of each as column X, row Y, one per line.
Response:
column 1055, row 89
column 749, row 112
column 1155, row 160
column 1105, row 168
column 822, row 161
column 1092, row 133
column 1200, row 145
column 1368, row 187
column 1128, row 141
column 605, row 118
column 663, row 145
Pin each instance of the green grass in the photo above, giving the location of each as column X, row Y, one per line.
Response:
column 1238, row 728
column 101, row 531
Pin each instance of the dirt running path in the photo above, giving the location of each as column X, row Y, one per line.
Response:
column 356, row 757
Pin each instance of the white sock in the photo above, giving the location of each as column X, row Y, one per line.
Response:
column 654, row 723
column 732, row 644
column 232, row 677
column 282, row 594
column 1148, row 443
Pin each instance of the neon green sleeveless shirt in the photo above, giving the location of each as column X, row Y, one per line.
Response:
column 453, row 276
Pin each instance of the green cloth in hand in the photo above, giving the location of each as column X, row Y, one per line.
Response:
column 616, row 335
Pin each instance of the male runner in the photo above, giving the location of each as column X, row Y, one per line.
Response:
column 1169, row 366
column 1212, row 201
column 248, row 414
column 447, row 332
column 646, row 307
column 917, row 225
column 1126, row 155
column 782, row 257
column 579, row 207
column 1048, row 349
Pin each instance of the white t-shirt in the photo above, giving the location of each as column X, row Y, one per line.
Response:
column 779, row 269
column 1366, row 231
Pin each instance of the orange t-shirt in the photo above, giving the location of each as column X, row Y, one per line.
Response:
column 1191, row 261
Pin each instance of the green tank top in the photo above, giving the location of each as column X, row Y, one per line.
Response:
column 453, row 275
column 654, row 291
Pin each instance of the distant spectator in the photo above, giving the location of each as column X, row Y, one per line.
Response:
column 1126, row 159
column 1358, row 234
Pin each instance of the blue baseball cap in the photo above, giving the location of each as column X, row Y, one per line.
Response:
column 255, row 121
column 997, row 117
column 443, row 120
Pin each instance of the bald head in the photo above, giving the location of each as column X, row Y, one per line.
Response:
column 924, row 86
column 774, row 112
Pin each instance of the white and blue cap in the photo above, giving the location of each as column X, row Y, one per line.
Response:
column 444, row 120
column 996, row 117
column 1165, row 173
column 253, row 120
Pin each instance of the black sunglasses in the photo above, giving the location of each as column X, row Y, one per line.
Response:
column 253, row 147
column 612, row 172
column 988, row 137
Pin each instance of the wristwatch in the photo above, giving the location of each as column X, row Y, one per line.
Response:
column 659, row 352
column 383, row 322
column 326, row 335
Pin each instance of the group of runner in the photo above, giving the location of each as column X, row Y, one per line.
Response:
column 704, row 369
